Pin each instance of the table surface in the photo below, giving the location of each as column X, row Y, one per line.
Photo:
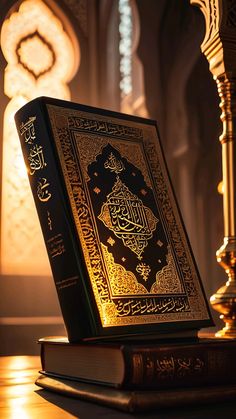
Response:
column 20, row 398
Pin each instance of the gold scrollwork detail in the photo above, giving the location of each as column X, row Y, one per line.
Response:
column 122, row 282
column 167, row 280
column 108, row 312
column 111, row 282
column 131, row 152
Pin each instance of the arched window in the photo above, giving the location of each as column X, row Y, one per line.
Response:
column 132, row 98
column 41, row 60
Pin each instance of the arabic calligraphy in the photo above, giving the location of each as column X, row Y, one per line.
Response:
column 152, row 365
column 179, row 366
column 49, row 221
column 42, row 190
column 114, row 164
column 104, row 127
column 131, row 221
column 27, row 129
column 56, row 246
column 134, row 307
column 144, row 270
column 36, row 159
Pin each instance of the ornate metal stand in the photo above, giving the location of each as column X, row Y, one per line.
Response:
column 219, row 47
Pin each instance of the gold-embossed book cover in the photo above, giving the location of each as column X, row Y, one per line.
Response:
column 132, row 269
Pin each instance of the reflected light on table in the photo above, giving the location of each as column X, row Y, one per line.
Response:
column 18, row 363
column 19, row 371
column 18, row 375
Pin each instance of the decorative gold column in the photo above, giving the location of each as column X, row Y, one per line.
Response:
column 219, row 47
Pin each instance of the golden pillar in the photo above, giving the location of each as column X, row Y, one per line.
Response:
column 219, row 47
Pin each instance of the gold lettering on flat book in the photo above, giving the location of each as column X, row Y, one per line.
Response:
column 165, row 367
column 171, row 366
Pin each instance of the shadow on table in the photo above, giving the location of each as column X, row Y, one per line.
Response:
column 86, row 410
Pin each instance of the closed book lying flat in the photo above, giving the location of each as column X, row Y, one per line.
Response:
column 118, row 250
column 137, row 401
column 142, row 366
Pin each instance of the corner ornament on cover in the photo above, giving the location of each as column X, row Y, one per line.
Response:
column 219, row 47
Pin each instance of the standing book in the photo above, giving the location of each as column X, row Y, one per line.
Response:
column 118, row 250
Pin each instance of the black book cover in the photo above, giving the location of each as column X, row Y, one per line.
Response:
column 119, row 253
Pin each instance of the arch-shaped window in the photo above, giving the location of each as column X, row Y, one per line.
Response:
column 131, row 70
column 41, row 60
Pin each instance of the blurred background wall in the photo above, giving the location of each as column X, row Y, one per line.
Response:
column 134, row 56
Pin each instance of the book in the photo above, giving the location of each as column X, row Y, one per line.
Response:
column 138, row 401
column 141, row 365
column 118, row 250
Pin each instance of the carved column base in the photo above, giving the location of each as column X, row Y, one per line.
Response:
column 224, row 301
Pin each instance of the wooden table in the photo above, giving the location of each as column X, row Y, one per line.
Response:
column 20, row 398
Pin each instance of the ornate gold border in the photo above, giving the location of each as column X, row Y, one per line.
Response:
column 184, row 304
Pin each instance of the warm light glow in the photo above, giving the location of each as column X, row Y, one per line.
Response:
column 125, row 47
column 18, row 363
column 18, row 401
column 220, row 187
column 35, row 55
column 131, row 70
column 41, row 60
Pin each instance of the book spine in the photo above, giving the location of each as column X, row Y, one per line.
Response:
column 56, row 222
column 180, row 366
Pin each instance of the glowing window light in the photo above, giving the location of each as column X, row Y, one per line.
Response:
column 41, row 60
column 125, row 47
column 131, row 70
